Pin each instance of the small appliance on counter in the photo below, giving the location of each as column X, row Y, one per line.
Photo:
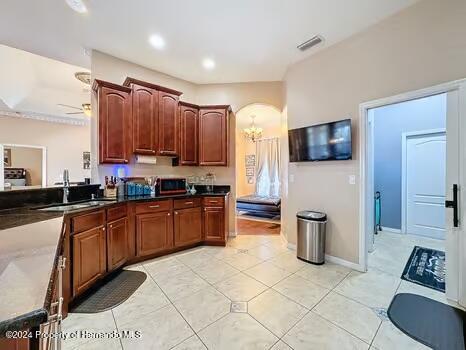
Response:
column 137, row 186
column 170, row 185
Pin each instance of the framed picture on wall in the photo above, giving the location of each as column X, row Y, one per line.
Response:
column 250, row 160
column 250, row 171
column 86, row 160
column 7, row 157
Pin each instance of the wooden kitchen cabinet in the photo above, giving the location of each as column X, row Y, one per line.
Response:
column 115, row 122
column 189, row 134
column 154, row 233
column 145, row 119
column 213, row 135
column 89, row 258
column 168, row 124
column 117, row 243
column 214, row 224
column 188, row 226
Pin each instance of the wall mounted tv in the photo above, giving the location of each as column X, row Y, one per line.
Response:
column 330, row 141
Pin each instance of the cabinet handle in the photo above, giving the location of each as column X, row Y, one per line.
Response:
column 168, row 214
column 188, row 202
column 213, row 201
column 176, row 213
column 126, row 160
column 154, row 206
column 103, row 228
column 111, row 226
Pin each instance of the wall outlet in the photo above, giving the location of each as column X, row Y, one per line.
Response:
column 352, row 179
column 291, row 178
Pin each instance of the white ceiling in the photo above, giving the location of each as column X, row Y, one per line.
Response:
column 33, row 84
column 250, row 40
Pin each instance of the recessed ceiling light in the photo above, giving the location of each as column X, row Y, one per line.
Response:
column 157, row 41
column 77, row 5
column 208, row 63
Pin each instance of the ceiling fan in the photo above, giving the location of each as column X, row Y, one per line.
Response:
column 85, row 109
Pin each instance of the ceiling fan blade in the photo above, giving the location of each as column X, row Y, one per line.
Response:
column 74, row 113
column 63, row 105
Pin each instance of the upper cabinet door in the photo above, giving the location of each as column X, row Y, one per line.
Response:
column 168, row 124
column 189, row 135
column 213, row 136
column 145, row 120
column 114, row 106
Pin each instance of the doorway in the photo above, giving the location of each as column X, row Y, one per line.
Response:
column 454, row 243
column 258, row 168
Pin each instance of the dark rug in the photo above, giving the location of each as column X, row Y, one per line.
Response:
column 430, row 322
column 426, row 267
column 114, row 292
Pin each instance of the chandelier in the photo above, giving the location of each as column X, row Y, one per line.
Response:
column 253, row 133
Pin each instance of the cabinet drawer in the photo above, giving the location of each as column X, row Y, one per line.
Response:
column 155, row 206
column 213, row 201
column 186, row 203
column 116, row 213
column 87, row 221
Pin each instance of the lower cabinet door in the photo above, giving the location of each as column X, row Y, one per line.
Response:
column 117, row 243
column 89, row 258
column 154, row 233
column 188, row 226
column 214, row 224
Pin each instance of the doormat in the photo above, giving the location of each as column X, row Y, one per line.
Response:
column 114, row 292
column 437, row 325
column 426, row 267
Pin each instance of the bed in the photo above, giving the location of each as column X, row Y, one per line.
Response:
column 266, row 207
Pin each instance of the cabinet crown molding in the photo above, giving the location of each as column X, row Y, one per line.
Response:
column 102, row 83
column 128, row 81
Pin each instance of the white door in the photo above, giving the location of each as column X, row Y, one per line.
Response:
column 455, row 243
column 425, row 185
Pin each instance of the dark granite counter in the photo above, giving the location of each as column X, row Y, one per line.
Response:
column 29, row 252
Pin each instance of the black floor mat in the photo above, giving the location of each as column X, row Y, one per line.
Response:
column 114, row 292
column 426, row 267
column 430, row 322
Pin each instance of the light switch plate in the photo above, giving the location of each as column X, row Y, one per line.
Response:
column 352, row 179
column 291, row 177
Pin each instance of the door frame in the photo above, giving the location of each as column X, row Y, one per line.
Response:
column 44, row 162
column 457, row 284
column 404, row 165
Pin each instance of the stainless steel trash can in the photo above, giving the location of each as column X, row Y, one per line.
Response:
column 311, row 236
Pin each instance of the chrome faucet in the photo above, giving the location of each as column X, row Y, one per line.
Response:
column 66, row 185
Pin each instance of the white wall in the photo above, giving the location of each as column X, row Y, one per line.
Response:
column 419, row 47
column 65, row 144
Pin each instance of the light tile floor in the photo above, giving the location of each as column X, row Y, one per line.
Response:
column 255, row 294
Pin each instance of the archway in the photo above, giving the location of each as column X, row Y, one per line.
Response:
column 255, row 217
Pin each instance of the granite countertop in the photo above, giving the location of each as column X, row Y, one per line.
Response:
column 27, row 260
column 28, row 256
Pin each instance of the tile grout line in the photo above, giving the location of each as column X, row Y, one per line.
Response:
column 171, row 302
column 116, row 325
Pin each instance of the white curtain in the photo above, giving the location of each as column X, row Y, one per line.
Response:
column 268, row 167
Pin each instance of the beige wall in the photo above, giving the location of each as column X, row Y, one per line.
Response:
column 115, row 70
column 419, row 47
column 64, row 143
column 29, row 159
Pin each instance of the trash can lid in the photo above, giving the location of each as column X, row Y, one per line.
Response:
column 312, row 215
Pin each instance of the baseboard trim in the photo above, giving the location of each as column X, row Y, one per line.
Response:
column 343, row 262
column 389, row 229
column 329, row 258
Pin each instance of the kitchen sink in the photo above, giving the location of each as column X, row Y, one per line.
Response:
column 77, row 205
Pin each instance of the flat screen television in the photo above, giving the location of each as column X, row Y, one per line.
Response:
column 330, row 141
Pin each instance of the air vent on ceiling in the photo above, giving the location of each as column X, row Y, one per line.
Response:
column 310, row 43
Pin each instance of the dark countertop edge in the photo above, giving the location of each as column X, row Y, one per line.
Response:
column 23, row 322
column 36, row 317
